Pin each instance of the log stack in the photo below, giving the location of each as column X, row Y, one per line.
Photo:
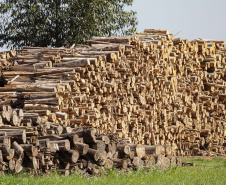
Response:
column 5, row 59
column 46, row 147
column 150, row 89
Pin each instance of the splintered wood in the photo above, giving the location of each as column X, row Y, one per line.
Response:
column 150, row 89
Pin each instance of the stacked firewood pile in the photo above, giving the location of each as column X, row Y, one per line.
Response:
column 150, row 89
column 5, row 62
column 47, row 146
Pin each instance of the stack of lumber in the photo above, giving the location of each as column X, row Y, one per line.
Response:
column 150, row 89
column 46, row 147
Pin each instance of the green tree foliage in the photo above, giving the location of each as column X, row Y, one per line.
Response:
column 61, row 22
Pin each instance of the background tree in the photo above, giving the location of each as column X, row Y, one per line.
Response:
column 61, row 22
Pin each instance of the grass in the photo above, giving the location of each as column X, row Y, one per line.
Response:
column 205, row 172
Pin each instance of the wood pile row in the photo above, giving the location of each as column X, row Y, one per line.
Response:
column 150, row 89
column 5, row 59
column 47, row 146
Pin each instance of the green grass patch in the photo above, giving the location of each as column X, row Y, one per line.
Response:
column 205, row 172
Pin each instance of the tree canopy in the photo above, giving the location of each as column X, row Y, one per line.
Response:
column 61, row 22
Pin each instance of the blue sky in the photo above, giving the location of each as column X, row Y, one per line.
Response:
column 194, row 18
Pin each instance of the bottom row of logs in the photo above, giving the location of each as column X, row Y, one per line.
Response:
column 77, row 150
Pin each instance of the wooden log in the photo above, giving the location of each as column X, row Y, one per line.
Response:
column 70, row 156
column 72, row 62
column 108, row 164
column 88, row 136
column 7, row 153
column 168, row 150
column 99, row 145
column 124, row 149
column 61, row 145
column 93, row 154
column 120, row 163
column 139, row 150
column 30, row 150
column 157, row 149
column 82, row 148
column 1, row 122
column 102, row 158
column 162, row 162
column 12, row 164
column 105, row 139
column 173, row 161
column 18, row 166
column 149, row 161
column 111, row 148
column 1, row 156
column 41, row 106
column 15, row 135
column 19, row 152
column 72, row 137
column 5, row 140
column 137, row 162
